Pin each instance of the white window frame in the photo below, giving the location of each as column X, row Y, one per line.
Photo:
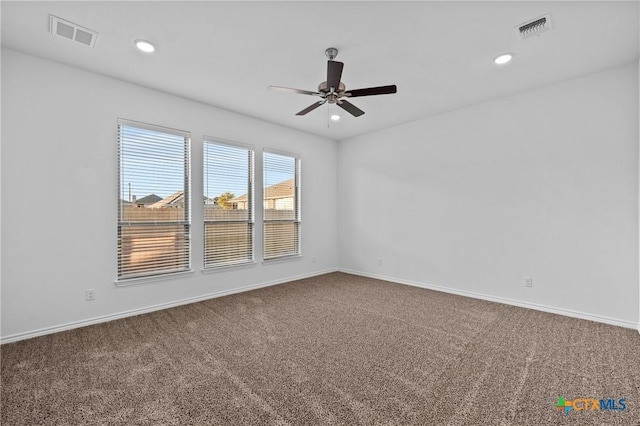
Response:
column 250, row 221
column 123, row 278
column 296, row 204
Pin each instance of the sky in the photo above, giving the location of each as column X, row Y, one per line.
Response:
column 150, row 163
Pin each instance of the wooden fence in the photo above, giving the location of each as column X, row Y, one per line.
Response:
column 145, row 247
column 176, row 214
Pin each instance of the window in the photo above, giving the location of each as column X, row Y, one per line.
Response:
column 281, row 204
column 153, row 201
column 228, row 204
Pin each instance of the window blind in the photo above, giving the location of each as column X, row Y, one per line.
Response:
column 281, row 205
column 228, row 204
column 153, row 200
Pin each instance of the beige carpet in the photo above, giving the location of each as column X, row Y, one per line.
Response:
column 335, row 349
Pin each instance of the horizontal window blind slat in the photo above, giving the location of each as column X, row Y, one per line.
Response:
column 281, row 201
column 135, row 126
column 228, row 210
column 153, row 215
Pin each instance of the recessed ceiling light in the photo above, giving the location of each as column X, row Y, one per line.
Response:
column 335, row 117
column 503, row 59
column 145, row 46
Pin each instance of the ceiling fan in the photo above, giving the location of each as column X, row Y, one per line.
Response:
column 334, row 91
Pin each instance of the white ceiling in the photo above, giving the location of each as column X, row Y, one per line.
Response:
column 439, row 54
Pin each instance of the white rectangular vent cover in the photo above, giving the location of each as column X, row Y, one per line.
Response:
column 534, row 27
column 75, row 32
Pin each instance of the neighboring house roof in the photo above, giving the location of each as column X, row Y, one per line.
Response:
column 280, row 190
column 239, row 199
column 171, row 200
column 149, row 199
column 176, row 197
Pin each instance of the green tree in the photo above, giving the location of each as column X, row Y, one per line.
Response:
column 223, row 200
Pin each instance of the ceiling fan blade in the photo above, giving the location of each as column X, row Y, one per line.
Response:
column 334, row 73
column 311, row 108
column 369, row 91
column 350, row 108
column 290, row 90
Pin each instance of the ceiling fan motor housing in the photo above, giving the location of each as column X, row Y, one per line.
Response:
column 332, row 98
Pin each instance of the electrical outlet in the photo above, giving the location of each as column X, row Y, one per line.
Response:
column 313, row 260
column 380, row 261
column 90, row 294
column 528, row 282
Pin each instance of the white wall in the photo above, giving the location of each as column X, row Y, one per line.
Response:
column 541, row 184
column 59, row 195
column 544, row 183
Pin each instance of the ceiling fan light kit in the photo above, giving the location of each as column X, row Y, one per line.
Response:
column 333, row 91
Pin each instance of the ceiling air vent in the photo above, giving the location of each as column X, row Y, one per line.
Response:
column 534, row 27
column 75, row 32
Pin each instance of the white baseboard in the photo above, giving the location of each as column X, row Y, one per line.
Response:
column 111, row 317
column 549, row 309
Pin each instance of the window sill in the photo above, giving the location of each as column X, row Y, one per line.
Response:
column 152, row 278
column 215, row 269
column 282, row 259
